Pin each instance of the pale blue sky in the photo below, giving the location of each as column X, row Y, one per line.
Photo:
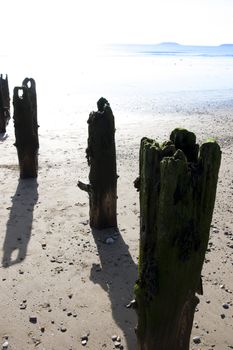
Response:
column 68, row 24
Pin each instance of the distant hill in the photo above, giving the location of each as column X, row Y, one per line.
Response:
column 226, row 45
column 170, row 43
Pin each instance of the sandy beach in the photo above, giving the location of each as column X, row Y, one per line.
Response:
column 60, row 281
column 161, row 65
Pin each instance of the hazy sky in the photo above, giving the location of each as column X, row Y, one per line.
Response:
column 68, row 24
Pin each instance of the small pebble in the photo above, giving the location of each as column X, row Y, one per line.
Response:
column 84, row 337
column 196, row 340
column 63, row 329
column 225, row 306
column 5, row 345
column 22, row 306
column 84, row 342
column 109, row 240
column 33, row 319
column 114, row 337
column 215, row 230
column 132, row 304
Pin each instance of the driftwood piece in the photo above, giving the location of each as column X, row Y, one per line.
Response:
column 25, row 133
column 4, row 103
column 177, row 195
column 101, row 157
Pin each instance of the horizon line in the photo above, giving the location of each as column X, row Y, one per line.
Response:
column 170, row 43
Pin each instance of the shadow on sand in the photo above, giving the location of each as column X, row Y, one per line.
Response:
column 117, row 276
column 19, row 225
column 3, row 136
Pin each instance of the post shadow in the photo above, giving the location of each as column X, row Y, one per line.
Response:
column 3, row 136
column 117, row 275
column 19, row 225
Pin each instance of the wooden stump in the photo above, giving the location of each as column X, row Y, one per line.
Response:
column 101, row 157
column 4, row 103
column 25, row 133
column 177, row 187
column 30, row 84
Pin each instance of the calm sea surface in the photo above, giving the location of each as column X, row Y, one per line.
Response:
column 136, row 79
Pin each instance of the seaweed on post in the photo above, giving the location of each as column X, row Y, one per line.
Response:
column 177, row 187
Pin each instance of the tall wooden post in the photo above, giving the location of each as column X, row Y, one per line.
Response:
column 101, row 157
column 177, row 185
column 30, row 84
column 25, row 133
column 4, row 103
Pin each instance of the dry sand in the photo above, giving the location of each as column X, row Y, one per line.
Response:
column 59, row 271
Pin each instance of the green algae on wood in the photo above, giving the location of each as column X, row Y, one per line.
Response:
column 101, row 157
column 177, row 195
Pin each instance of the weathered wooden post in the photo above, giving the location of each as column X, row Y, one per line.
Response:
column 30, row 84
column 177, row 185
column 4, row 103
column 101, row 157
column 25, row 133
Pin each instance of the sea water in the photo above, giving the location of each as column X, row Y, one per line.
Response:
column 137, row 80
